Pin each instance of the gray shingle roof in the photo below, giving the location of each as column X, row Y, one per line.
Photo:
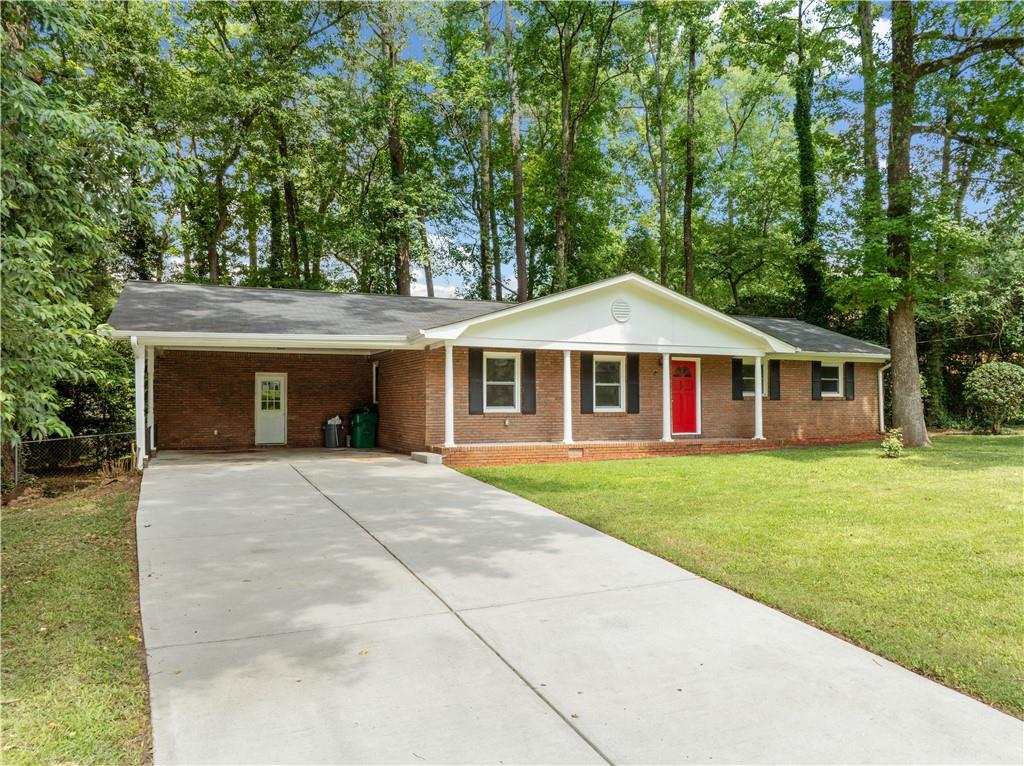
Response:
column 171, row 307
column 809, row 337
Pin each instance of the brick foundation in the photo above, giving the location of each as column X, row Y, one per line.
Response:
column 511, row 454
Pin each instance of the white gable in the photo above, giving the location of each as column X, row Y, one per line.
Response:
column 622, row 314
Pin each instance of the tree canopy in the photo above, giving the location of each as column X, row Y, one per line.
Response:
column 859, row 165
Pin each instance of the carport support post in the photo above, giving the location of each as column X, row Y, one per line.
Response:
column 449, row 396
column 758, row 425
column 140, row 402
column 666, row 398
column 150, row 417
column 567, row 397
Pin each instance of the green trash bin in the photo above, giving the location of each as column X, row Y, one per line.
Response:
column 364, row 430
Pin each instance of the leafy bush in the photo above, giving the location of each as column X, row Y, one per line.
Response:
column 996, row 393
column 892, row 444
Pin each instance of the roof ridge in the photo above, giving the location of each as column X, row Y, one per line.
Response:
column 314, row 291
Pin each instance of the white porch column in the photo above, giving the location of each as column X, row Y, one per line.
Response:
column 666, row 398
column 449, row 396
column 150, row 416
column 881, row 399
column 140, row 401
column 758, row 425
column 567, row 397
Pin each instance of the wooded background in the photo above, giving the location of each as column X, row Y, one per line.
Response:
column 859, row 165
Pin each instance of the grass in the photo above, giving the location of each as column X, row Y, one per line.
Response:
column 919, row 559
column 74, row 685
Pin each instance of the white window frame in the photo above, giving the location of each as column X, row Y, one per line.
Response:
column 839, row 366
column 621, row 360
column 517, row 357
column 764, row 377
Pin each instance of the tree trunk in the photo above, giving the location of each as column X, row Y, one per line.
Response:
column 495, row 248
column 907, row 406
column 250, row 239
column 522, row 277
column 663, row 236
column 815, row 301
column 691, row 87
column 561, row 280
column 486, row 192
column 396, row 155
column 275, row 261
column 428, row 270
column 186, row 251
column 291, row 204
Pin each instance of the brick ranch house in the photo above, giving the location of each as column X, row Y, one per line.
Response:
column 615, row 369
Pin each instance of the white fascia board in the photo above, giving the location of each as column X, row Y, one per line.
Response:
column 453, row 331
column 849, row 357
column 267, row 340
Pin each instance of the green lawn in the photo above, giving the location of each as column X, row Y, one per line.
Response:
column 920, row 559
column 74, row 687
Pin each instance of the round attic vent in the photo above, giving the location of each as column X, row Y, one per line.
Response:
column 621, row 310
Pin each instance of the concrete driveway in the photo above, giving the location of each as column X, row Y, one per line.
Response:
column 301, row 607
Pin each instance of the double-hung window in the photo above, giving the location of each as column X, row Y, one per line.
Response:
column 501, row 382
column 831, row 379
column 609, row 377
column 748, row 378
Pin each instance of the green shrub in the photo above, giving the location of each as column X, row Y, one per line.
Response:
column 892, row 444
column 996, row 393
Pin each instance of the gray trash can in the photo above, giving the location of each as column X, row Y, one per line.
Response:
column 332, row 435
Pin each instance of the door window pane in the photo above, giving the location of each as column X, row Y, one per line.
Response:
column 270, row 395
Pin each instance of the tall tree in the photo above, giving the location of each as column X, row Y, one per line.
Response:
column 584, row 37
column 691, row 95
column 386, row 29
column 816, row 303
column 907, row 71
column 486, row 173
column 522, row 278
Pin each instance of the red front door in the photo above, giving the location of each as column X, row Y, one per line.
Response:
column 684, row 397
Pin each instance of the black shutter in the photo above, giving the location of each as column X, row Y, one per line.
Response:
column 476, row 381
column 633, row 383
column 848, row 379
column 586, row 382
column 816, row 380
column 528, row 383
column 737, row 379
column 774, row 385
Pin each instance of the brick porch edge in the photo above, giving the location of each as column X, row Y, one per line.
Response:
column 470, row 455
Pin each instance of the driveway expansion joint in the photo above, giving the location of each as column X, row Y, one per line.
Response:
column 565, row 719
column 581, row 594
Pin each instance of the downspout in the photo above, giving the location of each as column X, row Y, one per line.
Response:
column 881, row 397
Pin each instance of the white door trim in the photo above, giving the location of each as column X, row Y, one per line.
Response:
column 261, row 376
column 699, row 405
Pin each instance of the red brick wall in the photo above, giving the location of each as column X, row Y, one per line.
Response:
column 198, row 392
column 794, row 417
column 401, row 424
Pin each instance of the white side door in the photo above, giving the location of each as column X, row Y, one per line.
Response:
column 271, row 408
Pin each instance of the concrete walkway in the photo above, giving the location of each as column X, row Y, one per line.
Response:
column 300, row 607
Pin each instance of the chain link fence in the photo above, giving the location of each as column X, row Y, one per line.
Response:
column 68, row 457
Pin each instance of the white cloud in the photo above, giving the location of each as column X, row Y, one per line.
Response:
column 419, row 286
